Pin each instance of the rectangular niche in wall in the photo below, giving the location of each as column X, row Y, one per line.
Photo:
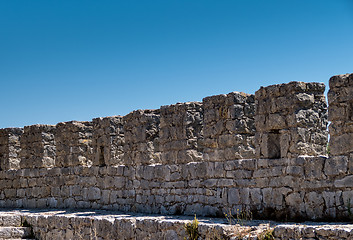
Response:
column 274, row 144
column 102, row 162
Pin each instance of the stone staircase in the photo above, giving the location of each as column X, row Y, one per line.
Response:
column 14, row 228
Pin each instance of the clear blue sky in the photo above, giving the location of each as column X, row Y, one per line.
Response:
column 76, row 60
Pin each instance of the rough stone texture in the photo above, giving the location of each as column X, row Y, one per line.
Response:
column 341, row 114
column 38, row 146
column 58, row 224
column 107, row 225
column 141, row 130
column 10, row 148
column 291, row 120
column 74, row 144
column 14, row 233
column 229, row 128
column 180, row 132
column 313, row 231
column 298, row 188
column 108, row 141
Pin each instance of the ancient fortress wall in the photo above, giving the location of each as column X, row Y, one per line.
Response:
column 266, row 153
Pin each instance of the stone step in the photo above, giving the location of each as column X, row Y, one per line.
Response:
column 15, row 232
column 10, row 221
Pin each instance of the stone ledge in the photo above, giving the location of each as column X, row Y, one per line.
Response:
column 85, row 224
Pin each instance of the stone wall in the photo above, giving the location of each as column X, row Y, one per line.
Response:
column 108, row 141
column 305, row 187
column 141, row 131
column 38, row 148
column 265, row 153
column 291, row 120
column 74, row 144
column 180, row 132
column 341, row 114
column 229, row 128
column 10, row 148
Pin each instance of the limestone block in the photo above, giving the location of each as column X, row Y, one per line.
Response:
column 108, row 141
column 74, row 144
column 346, row 182
column 341, row 144
column 10, row 148
column 93, row 193
column 38, row 146
column 314, row 204
column 276, row 121
column 336, row 166
column 295, row 171
column 338, row 112
column 313, row 167
column 296, row 202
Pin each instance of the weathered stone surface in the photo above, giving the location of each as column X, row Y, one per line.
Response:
column 180, row 132
column 10, row 148
column 108, row 141
column 38, row 146
column 336, row 166
column 141, row 130
column 313, row 231
column 49, row 224
column 340, row 114
column 307, row 187
column 291, row 120
column 229, row 128
column 74, row 144
column 14, row 232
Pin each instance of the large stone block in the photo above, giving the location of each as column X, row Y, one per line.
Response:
column 108, row 141
column 10, row 148
column 38, row 146
column 341, row 144
column 74, row 144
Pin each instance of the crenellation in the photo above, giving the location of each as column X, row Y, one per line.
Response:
column 291, row 120
column 341, row 114
column 141, row 130
column 74, row 144
column 38, row 146
column 180, row 133
column 10, row 148
column 229, row 129
column 108, row 141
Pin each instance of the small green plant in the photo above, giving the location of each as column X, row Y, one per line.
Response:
column 266, row 235
column 192, row 229
column 241, row 216
column 328, row 149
